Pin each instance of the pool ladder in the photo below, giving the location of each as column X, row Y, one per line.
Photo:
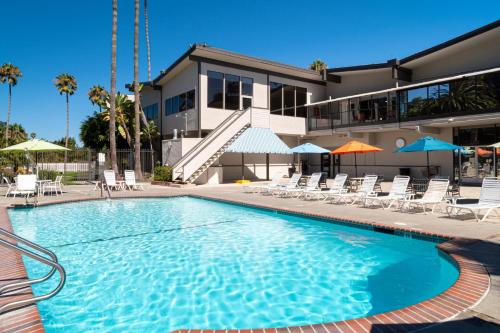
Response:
column 50, row 260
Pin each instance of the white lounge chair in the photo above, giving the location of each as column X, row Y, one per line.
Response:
column 434, row 196
column 367, row 187
column 489, row 200
column 10, row 186
column 293, row 182
column 336, row 188
column 275, row 182
column 398, row 192
column 130, row 182
column 110, row 181
column 26, row 185
column 311, row 185
column 55, row 186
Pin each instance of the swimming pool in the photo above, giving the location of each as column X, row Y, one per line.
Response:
column 155, row 265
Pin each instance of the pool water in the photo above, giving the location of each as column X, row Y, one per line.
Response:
column 156, row 265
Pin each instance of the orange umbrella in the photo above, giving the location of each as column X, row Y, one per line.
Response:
column 354, row 147
column 484, row 152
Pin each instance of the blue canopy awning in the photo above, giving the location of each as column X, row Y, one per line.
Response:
column 428, row 143
column 257, row 140
column 309, row 148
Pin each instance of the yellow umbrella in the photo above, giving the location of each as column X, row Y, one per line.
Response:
column 34, row 145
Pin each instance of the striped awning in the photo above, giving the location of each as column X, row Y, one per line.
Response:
column 257, row 140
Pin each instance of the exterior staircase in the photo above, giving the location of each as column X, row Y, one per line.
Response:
column 208, row 150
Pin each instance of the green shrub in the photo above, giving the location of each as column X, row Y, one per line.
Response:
column 48, row 174
column 163, row 173
column 69, row 177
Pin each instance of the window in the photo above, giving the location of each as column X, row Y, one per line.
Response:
column 276, row 98
column 301, row 100
column 175, row 104
column 246, row 86
column 168, row 107
column 190, row 99
column 232, row 92
column 182, row 102
column 151, row 111
column 215, row 90
column 288, row 100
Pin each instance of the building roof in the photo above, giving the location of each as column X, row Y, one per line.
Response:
column 205, row 53
column 421, row 54
column 257, row 140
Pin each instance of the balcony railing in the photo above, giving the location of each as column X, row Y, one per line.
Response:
column 467, row 96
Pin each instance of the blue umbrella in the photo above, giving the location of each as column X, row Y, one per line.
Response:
column 427, row 144
column 309, row 148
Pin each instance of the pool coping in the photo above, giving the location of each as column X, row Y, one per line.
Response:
column 468, row 290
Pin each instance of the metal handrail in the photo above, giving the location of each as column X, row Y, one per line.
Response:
column 235, row 115
column 52, row 262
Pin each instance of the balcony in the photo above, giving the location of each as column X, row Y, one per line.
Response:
column 460, row 97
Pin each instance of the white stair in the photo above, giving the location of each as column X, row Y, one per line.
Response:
column 207, row 151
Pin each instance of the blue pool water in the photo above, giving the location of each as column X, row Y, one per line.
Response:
column 155, row 265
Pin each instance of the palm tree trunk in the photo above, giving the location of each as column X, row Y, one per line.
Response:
column 8, row 117
column 146, row 22
column 67, row 132
column 137, row 101
column 112, row 94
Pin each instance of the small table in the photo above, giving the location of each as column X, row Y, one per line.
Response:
column 40, row 184
column 355, row 182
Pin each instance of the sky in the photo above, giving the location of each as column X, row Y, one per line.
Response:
column 47, row 38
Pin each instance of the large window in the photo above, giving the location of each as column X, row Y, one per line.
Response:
column 227, row 91
column 232, row 92
column 215, row 90
column 151, row 111
column 288, row 100
column 179, row 103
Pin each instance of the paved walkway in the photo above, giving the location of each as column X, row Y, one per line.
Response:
column 484, row 317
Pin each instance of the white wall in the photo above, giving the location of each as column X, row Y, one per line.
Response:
column 361, row 82
column 184, row 81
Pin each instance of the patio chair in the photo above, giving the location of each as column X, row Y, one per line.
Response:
column 311, row 185
column 399, row 191
column 293, row 183
column 110, row 181
column 366, row 189
column 10, row 186
column 26, row 186
column 275, row 182
column 337, row 187
column 130, row 182
column 436, row 191
column 55, row 186
column 489, row 200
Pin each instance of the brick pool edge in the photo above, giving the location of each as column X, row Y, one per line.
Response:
column 469, row 289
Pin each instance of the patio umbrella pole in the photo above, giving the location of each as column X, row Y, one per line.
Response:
column 428, row 165
column 355, row 165
column 242, row 166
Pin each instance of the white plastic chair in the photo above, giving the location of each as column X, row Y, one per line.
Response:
column 489, row 200
column 398, row 192
column 130, row 182
column 366, row 189
column 275, row 182
column 55, row 186
column 293, row 182
column 10, row 186
column 110, row 181
column 312, row 184
column 26, row 185
column 336, row 188
column 434, row 196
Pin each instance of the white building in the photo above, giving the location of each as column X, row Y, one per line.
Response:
column 450, row 91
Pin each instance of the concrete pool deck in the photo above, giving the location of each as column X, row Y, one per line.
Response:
column 481, row 317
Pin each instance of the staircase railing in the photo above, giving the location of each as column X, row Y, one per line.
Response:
column 51, row 262
column 179, row 167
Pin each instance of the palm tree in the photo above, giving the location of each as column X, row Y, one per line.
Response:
column 66, row 84
column 124, row 111
column 112, row 96
column 9, row 73
column 137, row 98
column 318, row 65
column 98, row 95
column 146, row 23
